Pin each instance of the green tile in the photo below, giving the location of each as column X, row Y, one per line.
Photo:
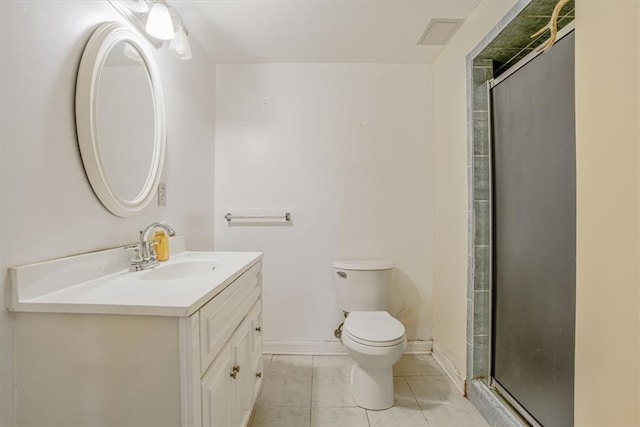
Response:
column 481, row 133
column 481, row 259
column 481, row 177
column 514, row 41
column 481, row 313
column 480, row 97
column 481, row 356
column 482, row 62
column 482, row 73
column 470, row 268
column 545, row 8
column 482, row 224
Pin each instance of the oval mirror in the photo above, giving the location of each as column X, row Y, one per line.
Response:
column 120, row 119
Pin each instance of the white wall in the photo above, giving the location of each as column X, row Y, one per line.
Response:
column 607, row 369
column 48, row 209
column 450, row 177
column 348, row 149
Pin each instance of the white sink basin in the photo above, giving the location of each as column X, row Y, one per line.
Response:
column 180, row 270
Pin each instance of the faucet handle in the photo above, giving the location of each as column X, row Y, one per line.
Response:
column 136, row 252
column 151, row 249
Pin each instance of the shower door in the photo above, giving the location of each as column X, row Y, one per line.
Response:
column 534, row 236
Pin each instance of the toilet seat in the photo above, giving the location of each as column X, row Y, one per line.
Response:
column 374, row 328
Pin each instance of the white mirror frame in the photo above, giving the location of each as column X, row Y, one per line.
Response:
column 98, row 47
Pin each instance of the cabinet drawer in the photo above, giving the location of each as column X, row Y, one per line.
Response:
column 221, row 316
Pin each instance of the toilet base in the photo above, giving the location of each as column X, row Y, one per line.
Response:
column 373, row 388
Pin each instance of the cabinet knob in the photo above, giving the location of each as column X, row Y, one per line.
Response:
column 236, row 368
column 233, row 374
column 259, row 375
column 258, row 329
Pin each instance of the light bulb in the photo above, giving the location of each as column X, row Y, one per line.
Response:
column 159, row 24
column 179, row 46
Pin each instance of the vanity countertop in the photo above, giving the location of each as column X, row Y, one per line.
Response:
column 178, row 287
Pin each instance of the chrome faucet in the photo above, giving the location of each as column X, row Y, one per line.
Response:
column 144, row 255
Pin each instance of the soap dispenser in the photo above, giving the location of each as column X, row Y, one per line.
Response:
column 161, row 242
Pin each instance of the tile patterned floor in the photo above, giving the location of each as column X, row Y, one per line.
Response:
column 314, row 391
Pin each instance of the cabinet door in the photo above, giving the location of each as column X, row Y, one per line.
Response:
column 217, row 400
column 241, row 348
column 255, row 317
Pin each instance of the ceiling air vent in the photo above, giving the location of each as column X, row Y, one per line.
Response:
column 439, row 31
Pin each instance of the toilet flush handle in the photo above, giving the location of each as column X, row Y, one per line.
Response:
column 342, row 274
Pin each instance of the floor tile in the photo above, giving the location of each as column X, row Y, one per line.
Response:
column 300, row 391
column 269, row 416
column 290, row 366
column 459, row 413
column 339, row 417
column 416, row 365
column 397, row 416
column 266, row 361
column 286, row 391
column 331, row 392
column 403, row 394
column 433, row 390
column 332, row 366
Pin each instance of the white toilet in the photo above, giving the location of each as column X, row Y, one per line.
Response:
column 374, row 339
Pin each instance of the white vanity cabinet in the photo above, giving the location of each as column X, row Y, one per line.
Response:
column 200, row 369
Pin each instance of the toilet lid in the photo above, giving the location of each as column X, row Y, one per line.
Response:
column 374, row 327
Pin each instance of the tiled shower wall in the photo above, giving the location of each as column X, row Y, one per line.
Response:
column 478, row 294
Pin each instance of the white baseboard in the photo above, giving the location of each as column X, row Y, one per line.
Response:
column 449, row 369
column 331, row 347
column 419, row 347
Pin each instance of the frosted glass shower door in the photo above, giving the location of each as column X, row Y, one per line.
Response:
column 534, row 240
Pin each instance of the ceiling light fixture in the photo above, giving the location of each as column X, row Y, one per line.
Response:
column 179, row 45
column 159, row 23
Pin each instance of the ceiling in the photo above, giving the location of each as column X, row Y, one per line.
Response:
column 321, row 31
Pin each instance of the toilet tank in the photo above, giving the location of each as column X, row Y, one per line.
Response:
column 363, row 285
